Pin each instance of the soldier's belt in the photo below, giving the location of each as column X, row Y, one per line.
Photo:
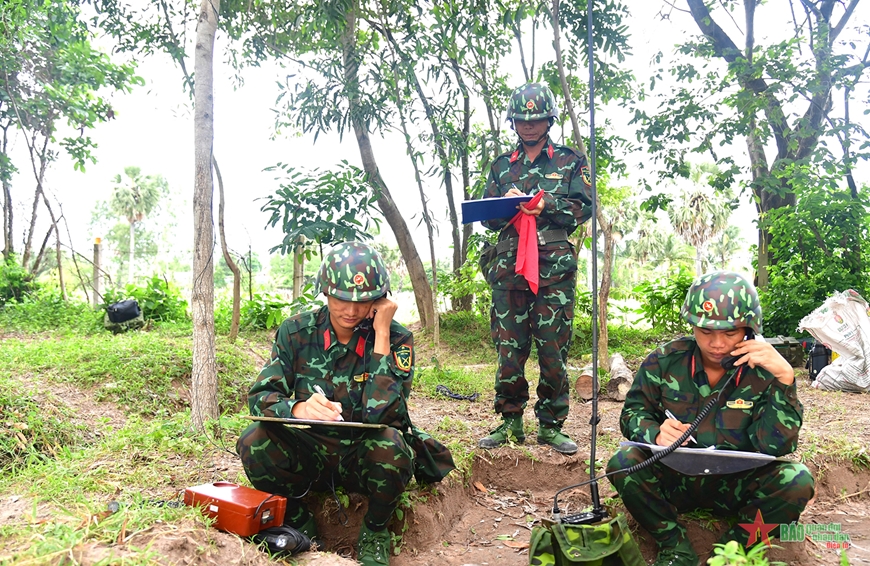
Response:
column 544, row 237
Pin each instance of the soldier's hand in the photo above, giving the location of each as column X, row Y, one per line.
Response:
column 382, row 312
column 534, row 211
column 318, row 408
column 514, row 192
column 756, row 353
column 670, row 431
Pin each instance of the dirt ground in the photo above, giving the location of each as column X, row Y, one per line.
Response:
column 487, row 520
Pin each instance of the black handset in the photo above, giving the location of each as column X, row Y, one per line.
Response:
column 728, row 361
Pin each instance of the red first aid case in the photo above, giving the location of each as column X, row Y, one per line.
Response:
column 236, row 508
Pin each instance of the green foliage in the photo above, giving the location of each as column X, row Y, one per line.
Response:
column 818, row 248
column 144, row 371
column 263, row 311
column 321, row 207
column 15, row 281
column 733, row 554
column 469, row 280
column 466, row 334
column 159, row 300
column 45, row 310
column 662, row 299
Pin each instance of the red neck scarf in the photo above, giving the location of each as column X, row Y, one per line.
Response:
column 527, row 251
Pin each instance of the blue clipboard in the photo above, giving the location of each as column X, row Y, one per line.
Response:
column 491, row 208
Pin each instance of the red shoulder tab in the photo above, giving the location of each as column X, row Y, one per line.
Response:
column 360, row 346
column 550, row 151
column 326, row 340
column 515, row 155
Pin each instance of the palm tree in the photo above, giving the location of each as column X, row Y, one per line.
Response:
column 698, row 216
column 134, row 197
column 724, row 246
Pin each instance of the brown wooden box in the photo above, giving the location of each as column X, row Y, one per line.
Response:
column 236, row 508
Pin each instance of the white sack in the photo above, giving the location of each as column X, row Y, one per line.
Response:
column 842, row 324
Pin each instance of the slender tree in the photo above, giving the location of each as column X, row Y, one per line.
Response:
column 204, row 405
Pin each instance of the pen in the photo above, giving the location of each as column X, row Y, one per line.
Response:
column 319, row 389
column 670, row 415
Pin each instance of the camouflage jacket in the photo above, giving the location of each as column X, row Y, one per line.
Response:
column 564, row 176
column 370, row 387
column 759, row 414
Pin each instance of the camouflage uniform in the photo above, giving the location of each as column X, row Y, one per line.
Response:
column 371, row 388
column 517, row 315
column 767, row 420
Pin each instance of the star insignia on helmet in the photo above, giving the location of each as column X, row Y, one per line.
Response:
column 707, row 306
column 530, row 105
column 359, row 279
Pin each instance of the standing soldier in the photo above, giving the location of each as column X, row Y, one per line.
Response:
column 518, row 314
column 347, row 361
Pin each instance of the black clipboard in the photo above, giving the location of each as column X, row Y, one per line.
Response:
column 312, row 422
column 707, row 461
column 490, row 208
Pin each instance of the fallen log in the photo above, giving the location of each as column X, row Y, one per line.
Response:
column 620, row 378
column 583, row 385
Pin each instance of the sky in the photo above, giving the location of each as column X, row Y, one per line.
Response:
column 153, row 130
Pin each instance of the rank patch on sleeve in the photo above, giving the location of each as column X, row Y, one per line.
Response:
column 403, row 358
column 586, row 174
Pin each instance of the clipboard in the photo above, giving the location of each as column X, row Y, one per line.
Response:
column 307, row 423
column 709, row 461
column 490, row 208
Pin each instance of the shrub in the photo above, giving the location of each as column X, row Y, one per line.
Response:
column 263, row 311
column 662, row 299
column 44, row 309
column 158, row 299
column 15, row 282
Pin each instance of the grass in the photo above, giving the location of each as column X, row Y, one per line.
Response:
column 136, row 465
column 142, row 371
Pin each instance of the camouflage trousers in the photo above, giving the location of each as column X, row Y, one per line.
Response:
column 292, row 461
column 656, row 495
column 515, row 318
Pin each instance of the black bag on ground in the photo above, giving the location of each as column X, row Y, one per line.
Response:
column 283, row 540
column 122, row 311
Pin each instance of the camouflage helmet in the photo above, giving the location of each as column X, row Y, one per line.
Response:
column 722, row 300
column 353, row 271
column 532, row 101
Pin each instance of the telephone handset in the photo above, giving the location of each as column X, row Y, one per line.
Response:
column 728, row 361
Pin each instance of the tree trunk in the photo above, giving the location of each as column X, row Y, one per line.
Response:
column 130, row 253
column 394, row 217
column 8, row 241
column 39, row 175
column 298, row 265
column 620, row 378
column 204, row 404
column 237, row 277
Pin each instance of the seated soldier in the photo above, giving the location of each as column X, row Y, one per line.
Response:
column 348, row 361
column 759, row 412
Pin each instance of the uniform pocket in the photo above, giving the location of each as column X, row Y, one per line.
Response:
column 683, row 404
column 383, row 401
column 555, row 186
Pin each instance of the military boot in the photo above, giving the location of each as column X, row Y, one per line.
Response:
column 512, row 425
column 681, row 555
column 373, row 547
column 552, row 435
column 309, row 529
